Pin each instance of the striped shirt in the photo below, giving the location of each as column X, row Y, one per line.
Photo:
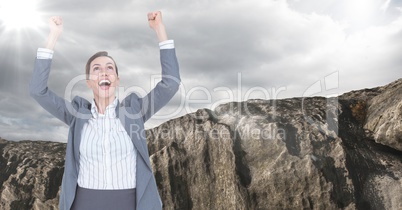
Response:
column 107, row 155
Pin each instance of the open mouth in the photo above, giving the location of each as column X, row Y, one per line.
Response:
column 104, row 84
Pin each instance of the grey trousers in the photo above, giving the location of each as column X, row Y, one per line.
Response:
column 88, row 199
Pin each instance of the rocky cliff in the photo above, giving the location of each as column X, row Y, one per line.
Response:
column 30, row 174
column 299, row 153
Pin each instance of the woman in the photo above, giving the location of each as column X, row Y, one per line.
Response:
column 107, row 162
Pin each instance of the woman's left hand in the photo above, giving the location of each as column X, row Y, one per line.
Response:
column 155, row 22
column 155, row 19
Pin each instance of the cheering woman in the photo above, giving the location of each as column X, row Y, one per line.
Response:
column 107, row 162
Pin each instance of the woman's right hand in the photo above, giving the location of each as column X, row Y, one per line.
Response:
column 56, row 28
column 56, row 25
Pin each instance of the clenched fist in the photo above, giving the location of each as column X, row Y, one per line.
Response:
column 155, row 19
column 155, row 22
column 56, row 25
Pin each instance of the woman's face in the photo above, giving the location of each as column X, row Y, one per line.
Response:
column 103, row 79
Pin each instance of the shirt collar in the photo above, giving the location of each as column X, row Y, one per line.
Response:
column 110, row 111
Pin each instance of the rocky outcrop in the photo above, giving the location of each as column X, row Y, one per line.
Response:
column 299, row 153
column 312, row 153
column 30, row 174
column 384, row 116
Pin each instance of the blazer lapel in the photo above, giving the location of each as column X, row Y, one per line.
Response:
column 128, row 122
column 83, row 115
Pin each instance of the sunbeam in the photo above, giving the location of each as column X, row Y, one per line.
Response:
column 19, row 14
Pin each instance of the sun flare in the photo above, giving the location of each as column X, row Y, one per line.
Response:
column 19, row 14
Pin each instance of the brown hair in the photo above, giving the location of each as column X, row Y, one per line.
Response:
column 97, row 55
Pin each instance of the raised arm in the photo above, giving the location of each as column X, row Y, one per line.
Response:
column 38, row 88
column 155, row 22
column 168, row 86
column 56, row 28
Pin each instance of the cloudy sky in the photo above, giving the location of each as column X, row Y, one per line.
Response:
column 228, row 50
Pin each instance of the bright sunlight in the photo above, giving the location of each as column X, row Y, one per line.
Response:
column 19, row 14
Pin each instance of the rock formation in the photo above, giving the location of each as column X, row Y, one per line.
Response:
column 299, row 153
column 30, row 174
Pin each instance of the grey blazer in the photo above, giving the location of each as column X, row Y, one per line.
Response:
column 133, row 111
